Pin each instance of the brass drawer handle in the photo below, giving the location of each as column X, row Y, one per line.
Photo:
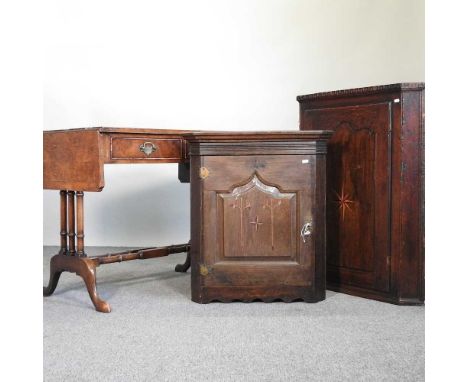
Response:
column 148, row 148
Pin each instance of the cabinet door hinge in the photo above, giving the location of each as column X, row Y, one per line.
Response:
column 203, row 173
column 204, row 270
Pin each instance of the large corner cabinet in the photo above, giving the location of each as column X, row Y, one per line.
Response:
column 375, row 189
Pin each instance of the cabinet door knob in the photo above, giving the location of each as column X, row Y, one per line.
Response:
column 306, row 230
column 148, row 148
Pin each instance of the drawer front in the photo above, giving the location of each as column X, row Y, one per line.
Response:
column 146, row 149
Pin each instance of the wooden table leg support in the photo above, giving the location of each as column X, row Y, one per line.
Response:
column 185, row 266
column 82, row 266
column 70, row 259
column 76, row 261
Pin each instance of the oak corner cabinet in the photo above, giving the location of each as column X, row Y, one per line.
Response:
column 375, row 189
column 258, row 216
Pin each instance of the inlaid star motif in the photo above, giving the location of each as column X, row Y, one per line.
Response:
column 343, row 201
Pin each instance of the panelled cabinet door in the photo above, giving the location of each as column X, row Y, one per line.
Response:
column 255, row 209
column 358, row 194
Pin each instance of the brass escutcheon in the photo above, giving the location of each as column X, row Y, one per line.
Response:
column 147, row 148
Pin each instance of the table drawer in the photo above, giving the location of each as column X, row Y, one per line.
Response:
column 146, row 149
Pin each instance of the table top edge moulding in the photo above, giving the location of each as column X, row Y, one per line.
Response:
column 262, row 136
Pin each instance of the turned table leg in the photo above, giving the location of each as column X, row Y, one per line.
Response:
column 71, row 223
column 63, row 222
column 70, row 260
column 80, row 224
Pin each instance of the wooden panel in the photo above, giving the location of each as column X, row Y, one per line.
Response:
column 227, row 174
column 357, row 192
column 252, row 219
column 131, row 148
column 411, row 190
column 73, row 160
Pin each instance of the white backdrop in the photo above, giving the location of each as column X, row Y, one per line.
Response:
column 224, row 65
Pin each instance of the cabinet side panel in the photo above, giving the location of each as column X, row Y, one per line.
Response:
column 196, row 229
column 319, row 212
column 411, row 248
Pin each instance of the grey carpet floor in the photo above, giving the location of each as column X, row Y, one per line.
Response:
column 156, row 333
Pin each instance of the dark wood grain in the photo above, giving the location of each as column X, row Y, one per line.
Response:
column 184, row 172
column 375, row 190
